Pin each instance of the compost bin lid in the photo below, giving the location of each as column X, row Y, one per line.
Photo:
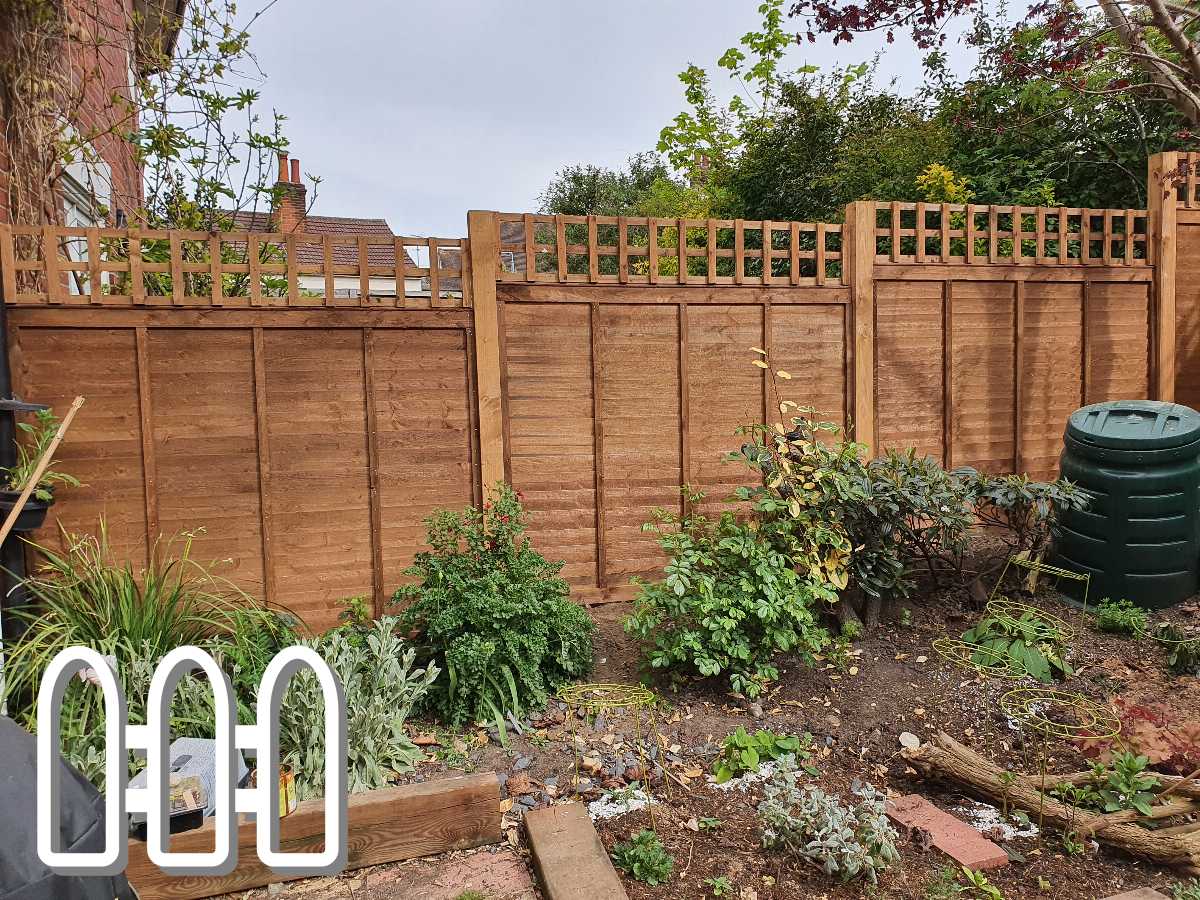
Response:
column 1135, row 425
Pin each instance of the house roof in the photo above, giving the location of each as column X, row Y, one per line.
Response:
column 382, row 255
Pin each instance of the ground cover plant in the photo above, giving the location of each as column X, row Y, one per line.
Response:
column 1182, row 646
column 492, row 615
column 846, row 841
column 743, row 752
column 1033, row 644
column 1123, row 783
column 643, row 857
column 1121, row 617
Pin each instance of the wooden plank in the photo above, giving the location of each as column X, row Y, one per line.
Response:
column 435, row 275
column 597, row 444
column 1018, row 230
column 327, row 251
column 400, row 254
column 364, row 272
column 1084, row 357
column 570, row 861
column 947, row 374
column 739, row 251
column 593, row 257
column 681, row 250
column 254, row 276
column 263, row 446
column 671, row 293
column 198, row 317
column 387, row 825
column 794, row 261
column 50, row 265
column 530, row 255
column 1018, row 371
column 1006, row 271
column 472, row 415
column 993, row 233
column 216, row 289
column 1162, row 247
column 767, row 227
column 373, row 499
column 895, row 231
column 710, row 268
column 484, row 237
column 560, row 247
column 1062, row 236
column 945, row 236
column 622, row 249
column 293, row 275
column 860, row 220
column 921, row 235
column 652, row 249
column 178, row 285
column 972, row 234
column 137, row 282
column 685, row 475
column 146, row 429
column 8, row 268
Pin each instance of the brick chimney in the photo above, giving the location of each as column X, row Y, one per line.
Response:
column 288, row 215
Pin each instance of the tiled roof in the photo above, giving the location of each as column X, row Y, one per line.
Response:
column 312, row 254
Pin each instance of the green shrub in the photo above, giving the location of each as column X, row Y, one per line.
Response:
column 1189, row 890
column 1183, row 650
column 644, row 858
column 84, row 596
column 1121, row 617
column 381, row 688
column 492, row 615
column 1033, row 645
column 743, row 752
column 846, row 841
column 731, row 599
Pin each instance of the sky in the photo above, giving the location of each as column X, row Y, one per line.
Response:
column 419, row 111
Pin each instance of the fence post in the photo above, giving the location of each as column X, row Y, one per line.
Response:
column 483, row 245
column 858, row 246
column 1162, row 250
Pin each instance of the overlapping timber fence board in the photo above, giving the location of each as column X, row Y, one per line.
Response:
column 597, row 363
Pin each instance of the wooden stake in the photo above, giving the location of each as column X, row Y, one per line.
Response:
column 37, row 472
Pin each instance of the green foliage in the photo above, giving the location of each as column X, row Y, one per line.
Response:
column 743, row 752
column 39, row 434
column 719, row 886
column 85, row 596
column 1031, row 643
column 587, row 190
column 1183, row 649
column 381, row 687
column 709, row 823
column 978, row 886
column 730, row 600
column 644, row 858
column 961, row 882
column 1121, row 617
column 846, row 841
column 492, row 615
column 1124, row 783
column 1021, row 511
column 1189, row 890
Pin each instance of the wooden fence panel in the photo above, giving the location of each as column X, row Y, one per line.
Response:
column 1187, row 307
column 320, row 518
column 1118, row 336
column 550, row 407
column 909, row 370
column 422, row 415
column 982, row 368
column 1051, row 372
column 808, row 341
column 638, row 383
column 53, row 365
column 259, row 429
column 204, row 445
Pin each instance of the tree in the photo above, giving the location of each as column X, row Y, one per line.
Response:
column 833, row 139
column 589, row 190
column 189, row 118
column 1155, row 37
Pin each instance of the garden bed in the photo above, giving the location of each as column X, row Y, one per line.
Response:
column 894, row 682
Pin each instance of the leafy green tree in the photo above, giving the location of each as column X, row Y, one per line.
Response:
column 588, row 190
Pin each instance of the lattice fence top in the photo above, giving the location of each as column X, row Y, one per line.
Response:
column 1186, row 177
column 128, row 267
column 629, row 250
column 968, row 234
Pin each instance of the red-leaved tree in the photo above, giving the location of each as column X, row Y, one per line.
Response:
column 1158, row 36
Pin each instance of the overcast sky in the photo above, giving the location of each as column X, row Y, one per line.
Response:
column 419, row 111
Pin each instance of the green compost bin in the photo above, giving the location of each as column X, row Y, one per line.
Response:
column 1139, row 538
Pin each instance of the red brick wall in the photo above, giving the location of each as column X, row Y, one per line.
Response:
column 98, row 60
